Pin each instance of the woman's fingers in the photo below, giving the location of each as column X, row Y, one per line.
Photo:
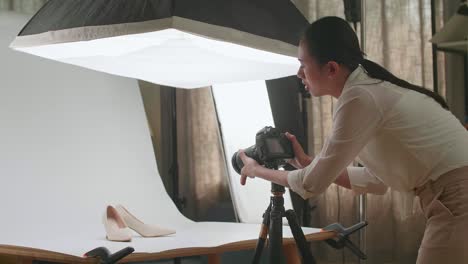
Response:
column 301, row 158
column 292, row 138
column 243, row 180
column 294, row 163
column 246, row 169
column 244, row 176
column 242, row 155
column 295, row 144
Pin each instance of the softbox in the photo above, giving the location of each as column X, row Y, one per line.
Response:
column 179, row 43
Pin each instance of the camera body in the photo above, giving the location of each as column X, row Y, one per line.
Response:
column 271, row 148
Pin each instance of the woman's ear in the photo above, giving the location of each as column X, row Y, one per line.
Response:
column 332, row 69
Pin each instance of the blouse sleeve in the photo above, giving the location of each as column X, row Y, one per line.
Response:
column 356, row 119
column 363, row 181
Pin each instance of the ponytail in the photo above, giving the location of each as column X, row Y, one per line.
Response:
column 333, row 39
column 378, row 72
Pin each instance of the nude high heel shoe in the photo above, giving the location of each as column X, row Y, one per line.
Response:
column 116, row 229
column 141, row 228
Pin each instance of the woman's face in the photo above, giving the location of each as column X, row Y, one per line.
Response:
column 312, row 74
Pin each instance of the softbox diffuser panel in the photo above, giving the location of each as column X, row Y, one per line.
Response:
column 178, row 43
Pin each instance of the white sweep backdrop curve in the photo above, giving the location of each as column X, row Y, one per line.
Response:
column 244, row 109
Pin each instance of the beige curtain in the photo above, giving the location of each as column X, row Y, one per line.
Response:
column 202, row 168
column 28, row 7
column 203, row 172
column 400, row 44
column 397, row 35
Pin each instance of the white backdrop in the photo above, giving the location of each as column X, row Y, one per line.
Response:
column 243, row 110
column 71, row 142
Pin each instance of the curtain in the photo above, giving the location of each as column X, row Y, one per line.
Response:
column 397, row 37
column 203, row 182
column 203, row 171
column 157, row 104
column 28, row 7
column 400, row 44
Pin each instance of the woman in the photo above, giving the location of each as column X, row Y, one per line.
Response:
column 403, row 134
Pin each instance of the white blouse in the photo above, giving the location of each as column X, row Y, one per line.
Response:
column 402, row 137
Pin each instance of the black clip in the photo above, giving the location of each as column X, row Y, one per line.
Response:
column 105, row 257
column 342, row 239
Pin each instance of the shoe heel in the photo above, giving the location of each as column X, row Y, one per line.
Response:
column 115, row 226
column 141, row 228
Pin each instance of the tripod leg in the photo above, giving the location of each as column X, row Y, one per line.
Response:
column 262, row 236
column 299, row 238
column 275, row 237
column 276, row 233
column 291, row 254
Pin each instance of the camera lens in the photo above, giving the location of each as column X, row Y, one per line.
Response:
column 237, row 162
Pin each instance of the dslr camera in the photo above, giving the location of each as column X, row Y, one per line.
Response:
column 271, row 149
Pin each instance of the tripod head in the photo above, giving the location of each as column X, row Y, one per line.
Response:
column 276, row 189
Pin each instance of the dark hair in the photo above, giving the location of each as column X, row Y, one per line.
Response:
column 333, row 39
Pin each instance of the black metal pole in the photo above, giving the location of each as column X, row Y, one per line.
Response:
column 435, row 74
column 362, row 199
column 466, row 88
column 305, row 96
column 175, row 164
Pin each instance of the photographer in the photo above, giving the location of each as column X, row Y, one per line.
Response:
column 403, row 134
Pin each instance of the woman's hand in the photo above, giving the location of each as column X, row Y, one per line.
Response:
column 250, row 166
column 301, row 159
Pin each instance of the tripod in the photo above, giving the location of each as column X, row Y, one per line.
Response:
column 272, row 226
